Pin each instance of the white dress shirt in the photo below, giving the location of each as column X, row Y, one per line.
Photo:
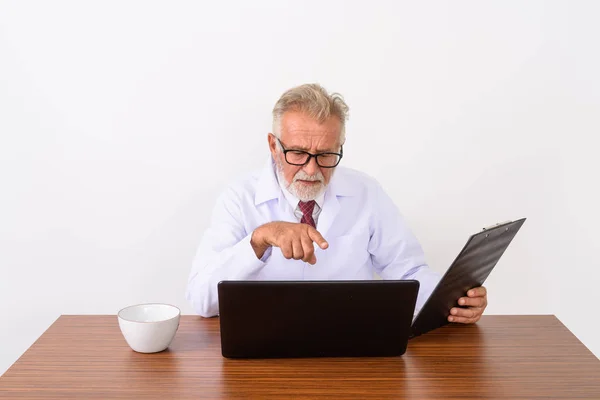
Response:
column 365, row 231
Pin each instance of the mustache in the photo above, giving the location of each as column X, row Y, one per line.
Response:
column 301, row 175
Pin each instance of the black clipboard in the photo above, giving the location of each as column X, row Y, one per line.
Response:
column 470, row 269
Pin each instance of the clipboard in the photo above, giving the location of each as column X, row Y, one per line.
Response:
column 470, row 269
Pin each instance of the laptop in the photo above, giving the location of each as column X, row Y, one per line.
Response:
column 281, row 319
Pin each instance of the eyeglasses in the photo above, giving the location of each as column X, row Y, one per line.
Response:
column 301, row 158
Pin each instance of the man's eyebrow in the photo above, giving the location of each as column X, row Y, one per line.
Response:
column 303, row 148
column 330, row 150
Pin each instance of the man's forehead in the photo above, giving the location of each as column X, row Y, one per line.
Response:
column 299, row 130
column 305, row 140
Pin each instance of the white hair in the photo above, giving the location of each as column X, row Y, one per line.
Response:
column 313, row 100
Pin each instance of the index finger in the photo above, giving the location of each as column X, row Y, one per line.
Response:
column 472, row 301
column 477, row 292
column 317, row 238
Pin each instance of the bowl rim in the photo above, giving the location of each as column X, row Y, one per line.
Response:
column 148, row 304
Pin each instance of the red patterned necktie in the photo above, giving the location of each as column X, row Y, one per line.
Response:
column 307, row 212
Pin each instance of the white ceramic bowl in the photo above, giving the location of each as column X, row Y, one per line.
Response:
column 149, row 328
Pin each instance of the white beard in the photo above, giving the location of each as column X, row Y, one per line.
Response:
column 301, row 191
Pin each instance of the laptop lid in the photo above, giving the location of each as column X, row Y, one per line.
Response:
column 470, row 269
column 266, row 319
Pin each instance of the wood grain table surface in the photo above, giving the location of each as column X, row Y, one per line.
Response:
column 501, row 357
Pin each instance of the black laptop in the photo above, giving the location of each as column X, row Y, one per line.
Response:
column 268, row 319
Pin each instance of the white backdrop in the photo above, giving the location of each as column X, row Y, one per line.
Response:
column 120, row 123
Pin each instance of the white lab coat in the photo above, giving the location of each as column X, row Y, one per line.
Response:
column 365, row 231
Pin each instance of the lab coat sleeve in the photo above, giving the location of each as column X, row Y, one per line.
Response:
column 396, row 252
column 224, row 253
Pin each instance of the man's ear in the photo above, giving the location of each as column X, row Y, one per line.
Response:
column 272, row 144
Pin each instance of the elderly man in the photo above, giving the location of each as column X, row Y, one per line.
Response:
column 303, row 217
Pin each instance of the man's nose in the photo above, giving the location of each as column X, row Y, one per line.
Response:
column 312, row 167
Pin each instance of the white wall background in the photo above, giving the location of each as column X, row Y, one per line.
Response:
column 120, row 122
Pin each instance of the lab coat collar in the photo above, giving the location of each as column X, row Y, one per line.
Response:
column 267, row 187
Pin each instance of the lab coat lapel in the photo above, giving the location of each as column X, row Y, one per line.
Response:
column 340, row 186
column 268, row 189
column 284, row 210
column 331, row 208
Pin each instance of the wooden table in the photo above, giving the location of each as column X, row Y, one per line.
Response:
column 86, row 357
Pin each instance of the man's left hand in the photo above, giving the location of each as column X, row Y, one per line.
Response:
column 474, row 304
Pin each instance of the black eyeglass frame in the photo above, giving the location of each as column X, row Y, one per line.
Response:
column 310, row 155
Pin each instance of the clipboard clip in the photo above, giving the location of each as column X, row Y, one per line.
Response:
column 496, row 225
